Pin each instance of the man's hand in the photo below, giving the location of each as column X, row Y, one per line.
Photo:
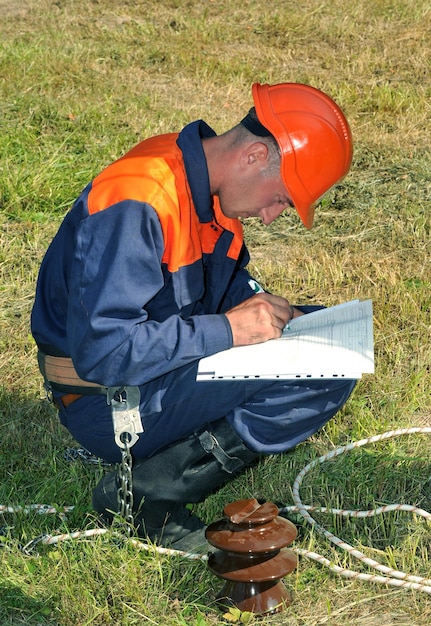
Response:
column 260, row 318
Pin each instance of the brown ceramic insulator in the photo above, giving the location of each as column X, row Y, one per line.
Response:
column 251, row 556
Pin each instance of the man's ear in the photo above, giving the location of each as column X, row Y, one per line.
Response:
column 256, row 154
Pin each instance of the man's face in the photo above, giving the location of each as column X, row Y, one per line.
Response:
column 261, row 196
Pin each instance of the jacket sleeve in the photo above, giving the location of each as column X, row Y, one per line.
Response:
column 116, row 271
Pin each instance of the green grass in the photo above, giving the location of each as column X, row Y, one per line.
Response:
column 81, row 82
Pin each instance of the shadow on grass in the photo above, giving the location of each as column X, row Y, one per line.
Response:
column 37, row 466
column 16, row 607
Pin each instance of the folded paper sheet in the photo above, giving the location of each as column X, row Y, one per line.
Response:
column 336, row 342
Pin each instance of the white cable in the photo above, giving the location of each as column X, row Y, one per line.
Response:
column 48, row 540
column 392, row 577
column 41, row 509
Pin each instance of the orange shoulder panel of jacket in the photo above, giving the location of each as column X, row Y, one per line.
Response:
column 128, row 177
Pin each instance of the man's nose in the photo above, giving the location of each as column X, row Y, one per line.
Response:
column 269, row 214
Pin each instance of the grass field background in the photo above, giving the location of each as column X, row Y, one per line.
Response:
column 81, row 82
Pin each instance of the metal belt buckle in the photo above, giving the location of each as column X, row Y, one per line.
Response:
column 126, row 415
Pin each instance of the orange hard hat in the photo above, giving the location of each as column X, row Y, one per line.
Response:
column 314, row 139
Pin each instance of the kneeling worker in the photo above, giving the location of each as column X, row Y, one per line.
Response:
column 148, row 274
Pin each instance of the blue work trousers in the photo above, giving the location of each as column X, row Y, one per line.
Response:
column 270, row 416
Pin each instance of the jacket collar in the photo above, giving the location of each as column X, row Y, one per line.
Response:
column 190, row 143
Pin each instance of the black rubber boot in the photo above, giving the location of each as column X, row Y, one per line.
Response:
column 185, row 472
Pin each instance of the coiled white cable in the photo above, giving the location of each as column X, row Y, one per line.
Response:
column 392, row 577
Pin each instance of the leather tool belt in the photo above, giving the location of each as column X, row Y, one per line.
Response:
column 60, row 375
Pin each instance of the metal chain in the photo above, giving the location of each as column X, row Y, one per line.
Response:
column 127, row 424
column 125, row 489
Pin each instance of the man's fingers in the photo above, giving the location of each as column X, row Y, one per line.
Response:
column 260, row 318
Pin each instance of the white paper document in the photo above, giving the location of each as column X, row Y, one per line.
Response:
column 336, row 342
